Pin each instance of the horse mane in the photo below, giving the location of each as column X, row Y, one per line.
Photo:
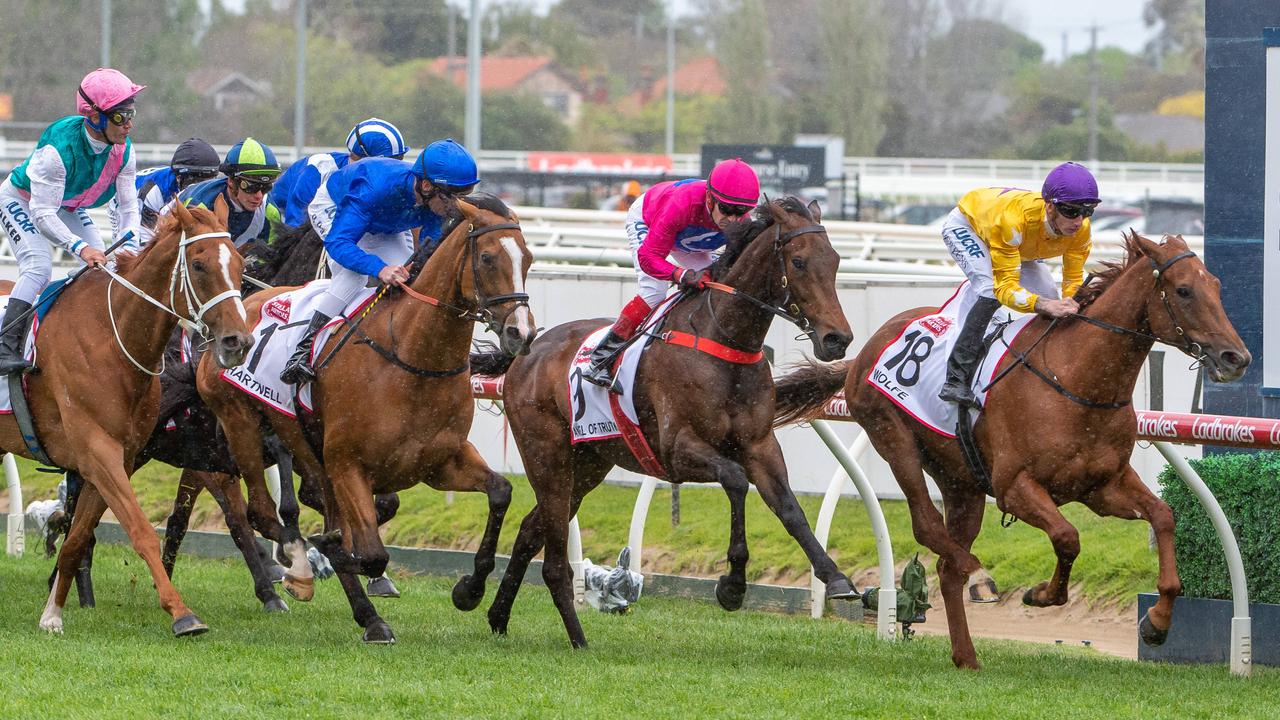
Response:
column 1098, row 282
column 482, row 200
column 168, row 223
column 739, row 236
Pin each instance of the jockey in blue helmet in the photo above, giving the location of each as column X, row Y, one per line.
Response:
column 365, row 213
column 297, row 187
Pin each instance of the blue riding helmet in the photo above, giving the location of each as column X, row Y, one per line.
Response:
column 447, row 163
column 376, row 138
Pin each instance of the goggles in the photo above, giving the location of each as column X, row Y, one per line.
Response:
column 732, row 210
column 251, row 186
column 120, row 116
column 449, row 191
column 1072, row 211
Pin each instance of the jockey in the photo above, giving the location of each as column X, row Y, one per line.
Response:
column 81, row 161
column 194, row 161
column 251, row 168
column 297, row 187
column 1000, row 237
column 365, row 213
column 683, row 220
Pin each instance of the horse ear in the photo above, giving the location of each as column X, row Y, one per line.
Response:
column 1148, row 247
column 220, row 209
column 815, row 211
column 183, row 213
column 471, row 212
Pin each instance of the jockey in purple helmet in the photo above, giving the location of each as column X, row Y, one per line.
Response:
column 682, row 220
column 1001, row 237
column 81, row 161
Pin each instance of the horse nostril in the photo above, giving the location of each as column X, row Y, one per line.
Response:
column 1231, row 359
column 836, row 342
column 512, row 332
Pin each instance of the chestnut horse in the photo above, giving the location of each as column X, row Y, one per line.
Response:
column 95, row 397
column 1057, row 427
column 394, row 405
column 707, row 419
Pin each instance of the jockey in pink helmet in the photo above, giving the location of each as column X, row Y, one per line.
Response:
column 81, row 161
column 682, row 221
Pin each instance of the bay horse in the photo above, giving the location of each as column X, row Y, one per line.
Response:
column 95, row 397
column 1058, row 426
column 707, row 419
column 393, row 406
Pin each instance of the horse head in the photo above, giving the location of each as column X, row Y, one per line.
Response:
column 206, row 280
column 1186, row 309
column 495, row 272
column 793, row 248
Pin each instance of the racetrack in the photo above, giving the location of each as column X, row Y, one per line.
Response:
column 667, row 659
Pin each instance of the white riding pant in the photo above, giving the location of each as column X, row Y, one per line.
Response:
column 32, row 249
column 971, row 254
column 648, row 287
column 345, row 284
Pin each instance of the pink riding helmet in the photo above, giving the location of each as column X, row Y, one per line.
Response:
column 103, row 89
column 733, row 182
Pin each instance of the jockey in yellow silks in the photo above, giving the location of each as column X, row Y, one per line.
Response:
column 1000, row 238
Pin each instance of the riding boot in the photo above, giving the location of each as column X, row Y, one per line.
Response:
column 298, row 370
column 967, row 353
column 600, row 371
column 14, row 337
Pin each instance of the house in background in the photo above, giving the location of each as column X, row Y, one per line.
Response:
column 700, row 76
column 533, row 75
column 228, row 91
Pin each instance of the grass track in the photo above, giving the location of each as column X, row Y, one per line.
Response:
column 669, row 658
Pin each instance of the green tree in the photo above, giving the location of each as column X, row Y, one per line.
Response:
column 513, row 121
column 751, row 112
column 392, row 30
column 1181, row 30
column 854, row 58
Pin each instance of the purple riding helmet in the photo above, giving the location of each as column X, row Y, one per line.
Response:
column 1070, row 183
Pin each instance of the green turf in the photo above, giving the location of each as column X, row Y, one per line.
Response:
column 667, row 659
column 1114, row 564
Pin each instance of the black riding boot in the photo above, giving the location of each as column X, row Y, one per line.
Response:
column 600, row 371
column 14, row 337
column 967, row 353
column 298, row 370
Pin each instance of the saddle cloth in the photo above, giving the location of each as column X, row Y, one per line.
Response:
column 281, row 324
column 593, row 417
column 912, row 368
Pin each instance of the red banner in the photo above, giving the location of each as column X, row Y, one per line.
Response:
column 584, row 162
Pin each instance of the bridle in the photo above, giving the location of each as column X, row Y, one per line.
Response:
column 179, row 280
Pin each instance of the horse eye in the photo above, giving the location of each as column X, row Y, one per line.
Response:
column 486, row 258
column 198, row 266
column 1184, row 292
column 797, row 263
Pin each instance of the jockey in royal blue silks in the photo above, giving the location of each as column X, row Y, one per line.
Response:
column 365, row 213
column 297, row 187
column 251, row 168
column 193, row 161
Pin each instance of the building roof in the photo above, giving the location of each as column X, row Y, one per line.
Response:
column 1178, row 133
column 700, row 76
column 210, row 81
column 496, row 73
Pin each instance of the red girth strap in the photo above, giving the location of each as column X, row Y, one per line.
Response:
column 711, row 347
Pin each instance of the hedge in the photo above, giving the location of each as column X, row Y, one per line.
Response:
column 1247, row 486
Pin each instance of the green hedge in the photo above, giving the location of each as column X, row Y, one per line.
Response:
column 1247, row 486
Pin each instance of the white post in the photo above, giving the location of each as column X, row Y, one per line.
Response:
column 272, row 476
column 1241, row 627
column 575, row 562
column 635, row 539
column 16, row 541
column 887, row 615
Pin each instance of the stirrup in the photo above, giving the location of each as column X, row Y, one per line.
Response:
column 598, row 375
column 964, row 397
column 298, row 373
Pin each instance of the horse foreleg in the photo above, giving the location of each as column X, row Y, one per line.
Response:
column 765, row 467
column 527, row 544
column 89, row 510
column 1127, row 497
column 1027, row 500
column 225, row 490
column 468, row 472
column 190, row 483
column 965, row 507
column 699, row 462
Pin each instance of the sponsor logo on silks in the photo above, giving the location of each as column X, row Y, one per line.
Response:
column 936, row 324
column 14, row 235
column 20, row 216
column 278, row 309
column 971, row 246
column 584, row 354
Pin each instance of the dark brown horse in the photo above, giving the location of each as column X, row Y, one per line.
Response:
column 1046, row 446
column 707, row 420
column 95, row 397
column 394, row 404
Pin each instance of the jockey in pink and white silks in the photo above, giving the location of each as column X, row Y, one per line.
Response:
column 81, row 161
column 682, row 221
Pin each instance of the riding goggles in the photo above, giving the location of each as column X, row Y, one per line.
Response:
column 1072, row 211
column 450, row 191
column 251, row 186
column 733, row 210
column 120, row 116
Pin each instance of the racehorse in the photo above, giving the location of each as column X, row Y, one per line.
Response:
column 1058, row 426
column 393, row 406
column 706, row 418
column 94, row 403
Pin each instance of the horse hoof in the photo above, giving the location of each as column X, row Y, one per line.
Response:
column 729, row 593
column 276, row 573
column 985, row 591
column 841, row 589
column 464, row 598
column 275, row 605
column 189, row 625
column 379, row 633
column 498, row 623
column 383, row 587
column 1150, row 634
column 302, row 589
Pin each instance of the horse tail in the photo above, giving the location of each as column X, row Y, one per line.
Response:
column 490, row 360
column 801, row 394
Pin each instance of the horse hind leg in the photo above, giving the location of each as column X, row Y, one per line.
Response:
column 1027, row 500
column 190, row 484
column 1127, row 497
column 386, row 506
column 90, row 509
column 225, row 490
column 468, row 472
column 964, row 510
column 528, row 543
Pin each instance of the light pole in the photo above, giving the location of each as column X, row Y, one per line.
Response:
column 472, row 137
column 300, row 82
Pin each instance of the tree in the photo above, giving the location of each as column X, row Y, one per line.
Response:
column 1181, row 30
column 752, row 108
column 514, row 121
column 854, row 60
column 391, row 30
